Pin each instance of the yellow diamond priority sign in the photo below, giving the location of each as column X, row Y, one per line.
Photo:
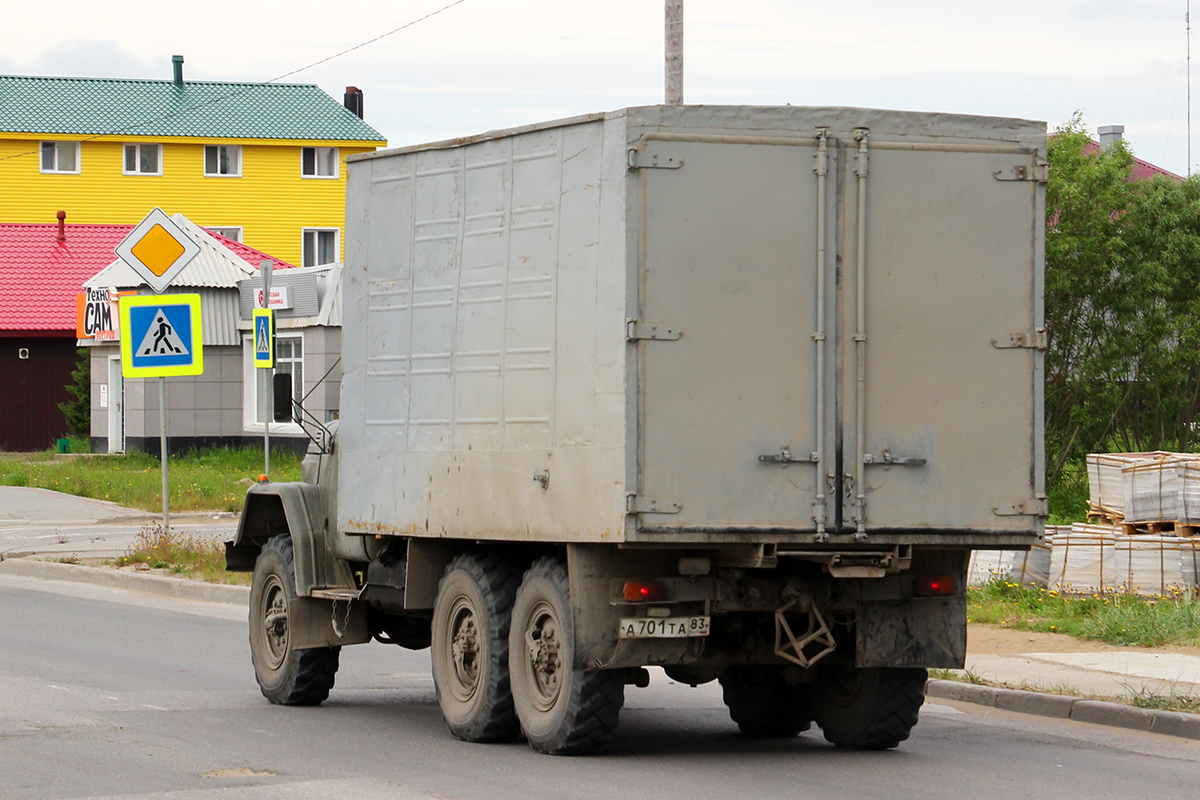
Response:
column 157, row 250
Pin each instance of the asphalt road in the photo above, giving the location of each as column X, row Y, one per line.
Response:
column 106, row 693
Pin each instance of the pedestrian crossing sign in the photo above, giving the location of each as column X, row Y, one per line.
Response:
column 264, row 338
column 161, row 335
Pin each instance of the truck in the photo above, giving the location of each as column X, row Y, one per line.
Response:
column 729, row 391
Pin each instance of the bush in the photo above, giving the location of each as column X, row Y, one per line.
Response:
column 78, row 412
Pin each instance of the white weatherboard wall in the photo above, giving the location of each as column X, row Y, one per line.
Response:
column 490, row 392
column 484, row 337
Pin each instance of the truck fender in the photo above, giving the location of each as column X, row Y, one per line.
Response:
column 295, row 508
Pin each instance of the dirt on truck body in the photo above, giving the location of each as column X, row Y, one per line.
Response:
column 733, row 391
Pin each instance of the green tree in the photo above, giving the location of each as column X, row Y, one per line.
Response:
column 1087, row 198
column 1163, row 387
column 78, row 412
column 1122, row 305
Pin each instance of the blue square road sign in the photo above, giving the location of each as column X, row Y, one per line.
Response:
column 264, row 338
column 161, row 336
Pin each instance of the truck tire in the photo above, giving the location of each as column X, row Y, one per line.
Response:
column 871, row 708
column 563, row 711
column 286, row 676
column 469, row 645
column 762, row 704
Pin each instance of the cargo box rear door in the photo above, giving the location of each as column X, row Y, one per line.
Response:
column 940, row 330
column 725, row 336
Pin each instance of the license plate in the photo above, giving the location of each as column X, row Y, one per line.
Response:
column 662, row 627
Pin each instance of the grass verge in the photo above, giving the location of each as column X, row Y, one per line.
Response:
column 1112, row 617
column 156, row 549
column 209, row 480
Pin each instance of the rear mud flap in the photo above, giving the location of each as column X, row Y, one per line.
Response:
column 921, row 632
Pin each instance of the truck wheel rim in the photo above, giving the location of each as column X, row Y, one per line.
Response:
column 464, row 650
column 543, row 647
column 275, row 621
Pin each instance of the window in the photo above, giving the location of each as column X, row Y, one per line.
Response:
column 143, row 159
column 228, row 231
column 289, row 359
column 319, row 162
column 223, row 160
column 60, row 157
column 320, row 246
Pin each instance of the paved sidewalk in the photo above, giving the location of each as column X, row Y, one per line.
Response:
column 1127, row 673
column 24, row 505
column 48, row 524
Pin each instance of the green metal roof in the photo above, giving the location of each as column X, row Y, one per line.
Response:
column 108, row 106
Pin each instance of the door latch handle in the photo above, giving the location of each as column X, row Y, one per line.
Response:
column 784, row 456
column 888, row 460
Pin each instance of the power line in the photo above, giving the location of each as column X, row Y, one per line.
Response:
column 251, row 87
column 369, row 41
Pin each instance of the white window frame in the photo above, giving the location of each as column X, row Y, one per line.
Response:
column 236, row 148
column 316, row 174
column 55, row 170
column 225, row 230
column 337, row 244
column 250, row 422
column 138, row 156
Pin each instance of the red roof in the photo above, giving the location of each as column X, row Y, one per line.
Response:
column 249, row 254
column 40, row 276
column 1142, row 170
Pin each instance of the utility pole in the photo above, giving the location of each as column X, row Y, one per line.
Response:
column 674, row 51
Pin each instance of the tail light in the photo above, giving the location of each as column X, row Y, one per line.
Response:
column 934, row 586
column 645, row 591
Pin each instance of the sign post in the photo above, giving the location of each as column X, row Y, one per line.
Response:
column 264, row 356
column 161, row 336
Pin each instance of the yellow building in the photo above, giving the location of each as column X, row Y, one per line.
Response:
column 262, row 163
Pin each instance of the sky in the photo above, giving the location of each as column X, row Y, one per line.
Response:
column 486, row 64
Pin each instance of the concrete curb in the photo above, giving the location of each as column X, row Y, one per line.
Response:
column 1097, row 712
column 160, row 585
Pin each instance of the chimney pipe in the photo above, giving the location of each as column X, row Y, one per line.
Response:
column 177, row 63
column 62, row 226
column 354, row 100
column 1109, row 135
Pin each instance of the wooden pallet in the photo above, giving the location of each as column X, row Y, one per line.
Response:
column 1104, row 515
column 1165, row 527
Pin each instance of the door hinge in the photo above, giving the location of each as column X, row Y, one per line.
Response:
column 638, row 504
column 635, row 330
column 644, row 159
column 1038, row 173
column 1033, row 507
column 1031, row 340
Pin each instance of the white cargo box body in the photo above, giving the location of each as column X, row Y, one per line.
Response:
column 700, row 324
